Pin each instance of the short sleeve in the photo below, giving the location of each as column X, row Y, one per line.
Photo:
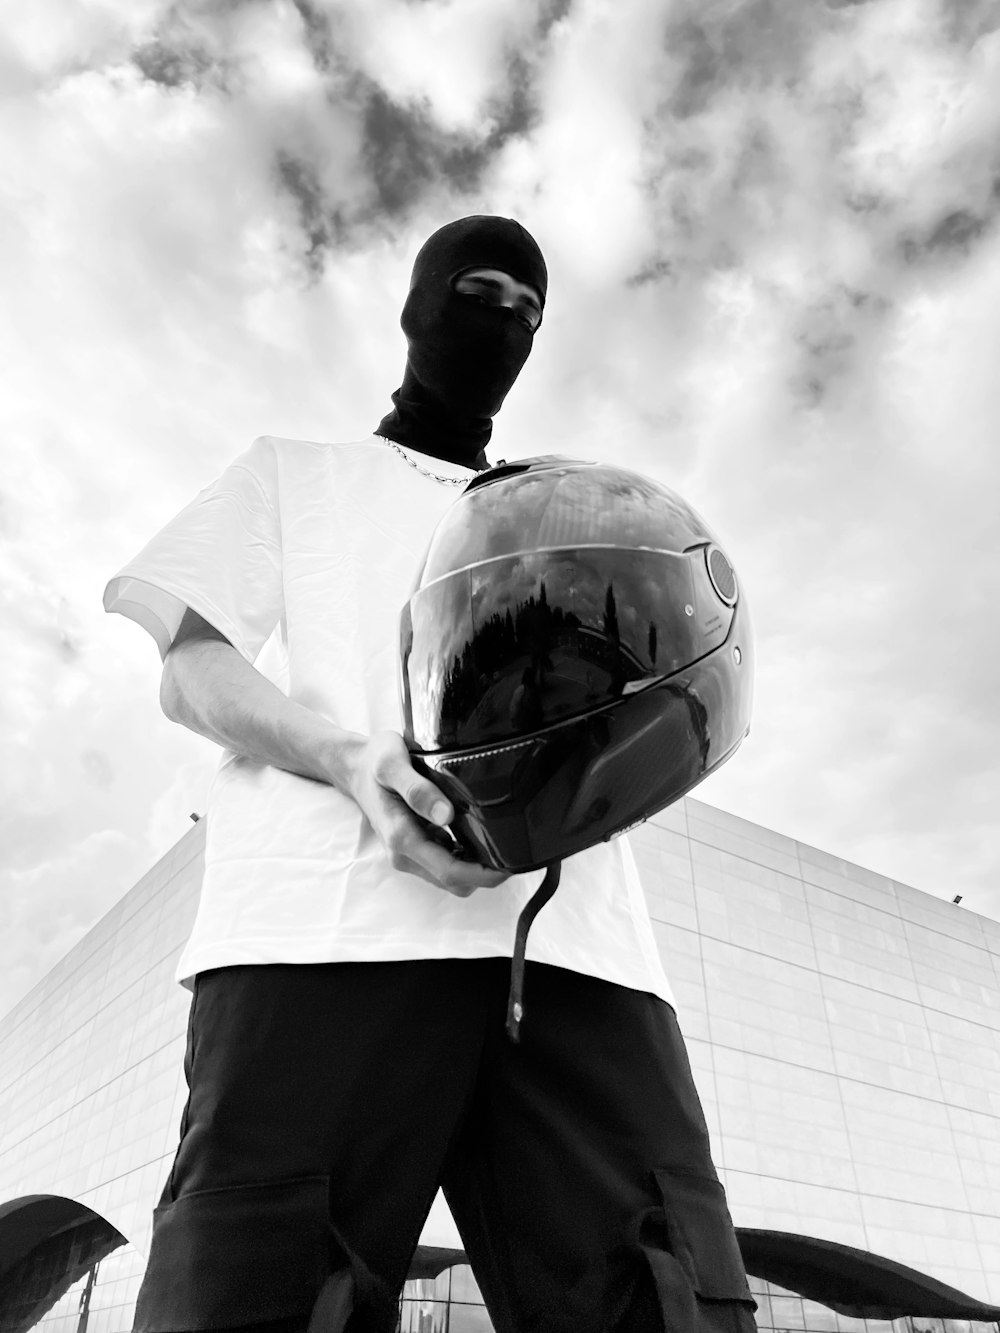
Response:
column 220, row 556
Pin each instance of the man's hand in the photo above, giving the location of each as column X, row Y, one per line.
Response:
column 400, row 804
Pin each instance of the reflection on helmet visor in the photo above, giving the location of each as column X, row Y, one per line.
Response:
column 512, row 645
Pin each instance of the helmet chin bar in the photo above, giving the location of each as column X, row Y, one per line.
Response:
column 549, row 795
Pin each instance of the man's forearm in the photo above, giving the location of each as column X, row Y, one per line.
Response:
column 212, row 689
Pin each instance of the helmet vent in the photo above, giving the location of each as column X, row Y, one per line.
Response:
column 722, row 574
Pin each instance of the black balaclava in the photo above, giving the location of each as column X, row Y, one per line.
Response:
column 463, row 355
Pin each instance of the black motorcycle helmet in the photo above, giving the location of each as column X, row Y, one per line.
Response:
column 576, row 655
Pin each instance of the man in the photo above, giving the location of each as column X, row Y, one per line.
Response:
column 346, row 1049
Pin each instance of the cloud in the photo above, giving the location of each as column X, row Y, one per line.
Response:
column 97, row 787
column 353, row 146
column 322, row 224
column 46, row 908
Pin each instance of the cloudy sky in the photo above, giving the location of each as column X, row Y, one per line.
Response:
column 774, row 253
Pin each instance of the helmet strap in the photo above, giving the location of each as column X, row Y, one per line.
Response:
column 515, row 997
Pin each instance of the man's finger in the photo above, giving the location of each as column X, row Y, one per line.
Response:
column 395, row 771
column 423, row 798
column 439, row 865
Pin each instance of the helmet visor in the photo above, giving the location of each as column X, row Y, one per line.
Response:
column 510, row 646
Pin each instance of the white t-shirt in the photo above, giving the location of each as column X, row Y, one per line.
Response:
column 303, row 556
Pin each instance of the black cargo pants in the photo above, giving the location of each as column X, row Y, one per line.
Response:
column 328, row 1102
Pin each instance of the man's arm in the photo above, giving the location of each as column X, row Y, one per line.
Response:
column 213, row 690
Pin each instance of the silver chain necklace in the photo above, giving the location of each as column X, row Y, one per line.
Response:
column 445, row 481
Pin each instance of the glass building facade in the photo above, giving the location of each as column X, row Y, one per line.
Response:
column 842, row 1027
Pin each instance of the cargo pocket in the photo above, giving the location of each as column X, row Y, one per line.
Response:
column 241, row 1255
column 691, row 1249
